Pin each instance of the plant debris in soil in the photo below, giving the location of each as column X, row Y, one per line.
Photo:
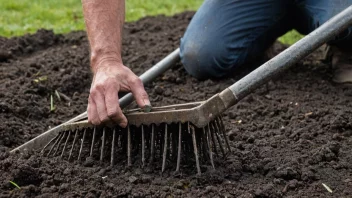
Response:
column 288, row 138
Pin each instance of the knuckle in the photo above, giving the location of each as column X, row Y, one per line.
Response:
column 112, row 113
column 136, row 81
column 99, row 87
column 93, row 93
column 144, row 95
column 103, row 116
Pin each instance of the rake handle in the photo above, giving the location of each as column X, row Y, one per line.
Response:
column 150, row 75
column 287, row 58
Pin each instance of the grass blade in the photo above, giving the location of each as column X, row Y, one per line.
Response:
column 13, row 183
column 52, row 107
column 327, row 187
column 57, row 95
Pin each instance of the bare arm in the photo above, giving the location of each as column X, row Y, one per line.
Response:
column 104, row 22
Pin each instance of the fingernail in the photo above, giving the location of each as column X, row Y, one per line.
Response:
column 146, row 102
column 123, row 124
column 147, row 106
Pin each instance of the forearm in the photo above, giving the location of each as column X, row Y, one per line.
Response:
column 104, row 24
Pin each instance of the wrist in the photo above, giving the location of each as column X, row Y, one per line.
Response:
column 99, row 57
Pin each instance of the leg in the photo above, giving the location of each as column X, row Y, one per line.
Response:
column 312, row 13
column 226, row 34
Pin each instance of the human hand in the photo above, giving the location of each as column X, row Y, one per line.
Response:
column 109, row 79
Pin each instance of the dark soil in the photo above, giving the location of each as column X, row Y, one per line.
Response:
column 289, row 137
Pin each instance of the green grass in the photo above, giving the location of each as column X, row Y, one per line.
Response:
column 27, row 16
column 14, row 184
column 290, row 37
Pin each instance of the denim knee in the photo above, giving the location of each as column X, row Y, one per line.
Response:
column 205, row 60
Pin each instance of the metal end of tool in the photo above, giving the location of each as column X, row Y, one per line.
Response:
column 166, row 143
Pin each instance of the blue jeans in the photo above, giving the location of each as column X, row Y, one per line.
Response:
column 226, row 34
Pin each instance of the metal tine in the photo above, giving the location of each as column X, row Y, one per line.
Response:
column 209, row 146
column 213, row 138
column 160, row 142
column 218, row 138
column 152, row 144
column 174, row 144
column 143, row 146
column 56, row 142
column 102, row 145
column 73, row 144
column 195, row 147
column 179, row 147
column 205, row 149
column 170, row 142
column 129, row 163
column 58, row 145
column 68, row 137
column 42, row 151
column 222, row 126
column 165, row 148
column 113, row 147
column 80, row 150
column 93, row 140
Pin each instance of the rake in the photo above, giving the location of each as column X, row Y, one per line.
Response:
column 192, row 132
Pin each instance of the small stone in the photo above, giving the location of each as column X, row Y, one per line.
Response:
column 246, row 195
column 179, row 80
column 179, row 185
column 334, row 147
column 89, row 162
column 178, row 192
column 146, row 179
column 336, row 136
column 166, row 188
column 102, row 172
column 170, row 78
column 5, row 55
column 278, row 181
column 53, row 189
column 208, row 83
column 293, row 184
column 132, row 179
column 158, row 90
column 168, row 92
column 45, row 190
column 251, row 139
column 232, row 115
column 64, row 188
column 67, row 171
column 138, row 171
column 210, row 189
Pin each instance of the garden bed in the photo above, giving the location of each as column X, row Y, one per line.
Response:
column 288, row 138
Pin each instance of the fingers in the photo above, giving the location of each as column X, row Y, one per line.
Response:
column 113, row 109
column 92, row 112
column 103, row 99
column 139, row 93
column 99, row 99
column 104, row 105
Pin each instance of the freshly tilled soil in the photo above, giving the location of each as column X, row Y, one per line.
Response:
column 288, row 138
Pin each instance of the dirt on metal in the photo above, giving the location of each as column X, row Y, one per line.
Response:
column 288, row 138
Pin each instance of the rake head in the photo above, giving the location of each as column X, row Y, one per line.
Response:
column 166, row 135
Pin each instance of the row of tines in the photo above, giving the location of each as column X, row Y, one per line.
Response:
column 168, row 143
